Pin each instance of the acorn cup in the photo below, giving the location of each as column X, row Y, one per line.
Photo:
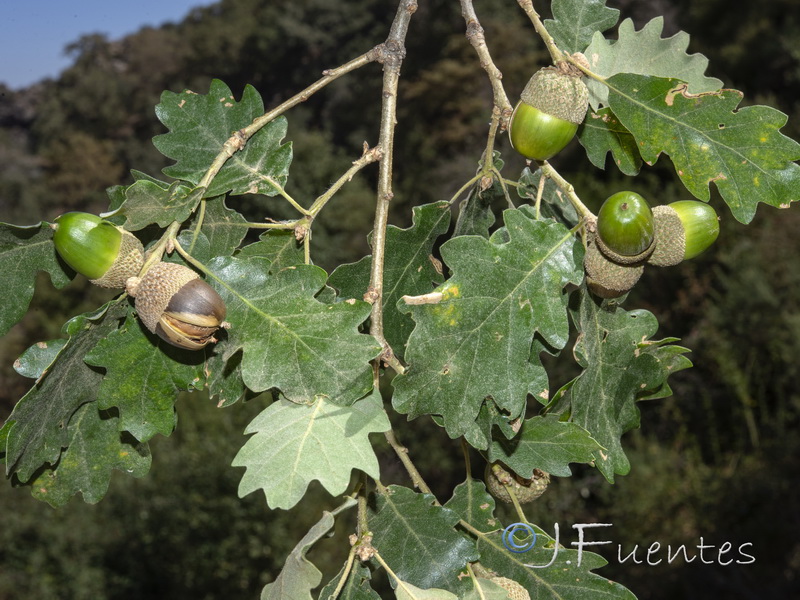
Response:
column 179, row 307
column 108, row 255
column 606, row 278
column 526, row 490
column 683, row 230
column 551, row 107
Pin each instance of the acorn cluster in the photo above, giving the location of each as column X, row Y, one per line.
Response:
column 171, row 299
column 628, row 235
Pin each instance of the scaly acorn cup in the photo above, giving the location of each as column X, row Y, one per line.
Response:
column 684, row 229
column 526, row 490
column 179, row 307
column 514, row 589
column 606, row 278
column 108, row 255
column 626, row 228
column 551, row 107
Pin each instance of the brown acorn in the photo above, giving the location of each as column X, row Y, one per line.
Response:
column 175, row 304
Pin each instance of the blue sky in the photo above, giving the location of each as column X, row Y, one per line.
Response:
column 33, row 33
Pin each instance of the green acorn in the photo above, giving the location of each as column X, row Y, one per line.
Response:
column 526, row 490
column 551, row 107
column 175, row 304
column 626, row 228
column 683, row 230
column 108, row 255
column 606, row 278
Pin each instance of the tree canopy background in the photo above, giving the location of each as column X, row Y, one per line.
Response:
column 717, row 460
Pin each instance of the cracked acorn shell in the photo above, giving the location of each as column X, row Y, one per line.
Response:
column 551, row 107
column 175, row 304
column 683, row 230
column 526, row 490
column 106, row 254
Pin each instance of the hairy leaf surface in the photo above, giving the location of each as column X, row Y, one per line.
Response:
column 408, row 269
column 149, row 201
column 295, row 444
column 741, row 151
column 545, row 443
column 645, row 52
column 143, row 377
column 356, row 587
column 299, row 576
column 564, row 579
column 95, row 447
column 24, row 251
column 576, row 21
column 36, row 431
column 621, row 364
column 200, row 125
column 476, row 342
column 602, row 133
column 289, row 339
column 417, row 539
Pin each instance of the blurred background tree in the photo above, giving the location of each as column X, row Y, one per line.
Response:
column 719, row 459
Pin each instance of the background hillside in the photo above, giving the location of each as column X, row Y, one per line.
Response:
column 720, row 459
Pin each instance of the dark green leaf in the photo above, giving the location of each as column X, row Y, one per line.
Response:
column 95, row 448
column 199, row 126
column 355, row 588
column 576, row 21
column 567, row 578
column 545, row 443
column 223, row 227
column 409, row 269
column 417, row 539
column 148, row 202
column 280, row 246
column 620, row 365
column 553, row 203
column 295, row 444
column 224, row 379
column 36, row 359
column 290, row 340
column 475, row 215
column 741, row 151
column 476, row 342
column 143, row 378
column 24, row 251
column 474, row 505
column 602, row 133
column 36, row 431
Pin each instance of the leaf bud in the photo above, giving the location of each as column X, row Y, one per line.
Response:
column 175, row 304
column 108, row 255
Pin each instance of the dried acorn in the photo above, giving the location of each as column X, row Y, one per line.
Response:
column 108, row 255
column 625, row 228
column 175, row 304
column 551, row 107
column 683, row 230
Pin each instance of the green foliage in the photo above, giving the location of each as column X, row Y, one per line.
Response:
column 321, row 441
column 470, row 323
